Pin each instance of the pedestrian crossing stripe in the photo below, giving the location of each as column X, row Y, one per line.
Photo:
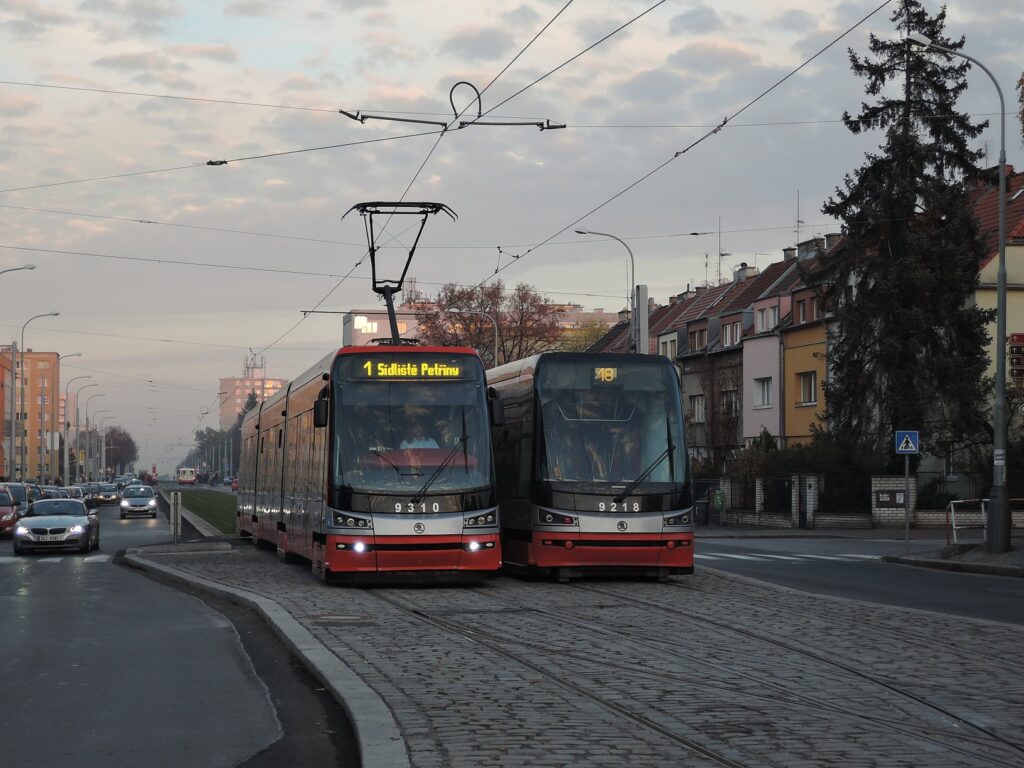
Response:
column 5, row 559
column 764, row 557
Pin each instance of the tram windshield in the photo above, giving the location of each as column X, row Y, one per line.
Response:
column 606, row 424
column 396, row 431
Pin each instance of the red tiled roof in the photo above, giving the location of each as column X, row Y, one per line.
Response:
column 985, row 199
column 753, row 287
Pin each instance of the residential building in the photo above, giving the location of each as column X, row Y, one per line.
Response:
column 235, row 391
column 40, row 382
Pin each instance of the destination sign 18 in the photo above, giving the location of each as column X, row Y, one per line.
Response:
column 605, row 375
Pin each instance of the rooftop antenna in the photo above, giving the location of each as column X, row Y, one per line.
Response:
column 799, row 221
column 388, row 287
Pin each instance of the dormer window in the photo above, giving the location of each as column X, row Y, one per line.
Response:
column 801, row 311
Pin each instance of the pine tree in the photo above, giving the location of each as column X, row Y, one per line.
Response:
column 910, row 347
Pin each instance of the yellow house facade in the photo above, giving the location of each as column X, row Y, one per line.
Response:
column 804, row 350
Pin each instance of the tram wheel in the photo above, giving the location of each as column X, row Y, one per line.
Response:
column 663, row 575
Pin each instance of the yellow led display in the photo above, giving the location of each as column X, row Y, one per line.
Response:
column 605, row 375
column 425, row 369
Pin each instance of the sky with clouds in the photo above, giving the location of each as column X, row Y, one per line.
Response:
column 157, row 334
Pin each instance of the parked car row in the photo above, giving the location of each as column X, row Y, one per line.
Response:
column 48, row 517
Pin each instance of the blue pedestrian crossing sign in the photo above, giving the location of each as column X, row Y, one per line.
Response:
column 907, row 442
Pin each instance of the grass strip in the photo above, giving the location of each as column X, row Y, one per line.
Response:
column 216, row 508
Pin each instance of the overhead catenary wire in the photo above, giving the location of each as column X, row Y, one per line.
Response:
column 408, row 186
column 218, row 163
column 701, row 139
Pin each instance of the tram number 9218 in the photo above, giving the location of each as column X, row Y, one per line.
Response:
column 618, row 506
column 421, row 507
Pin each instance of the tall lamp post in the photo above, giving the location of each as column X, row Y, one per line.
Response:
column 78, row 432
column 53, row 413
column 998, row 516
column 66, row 426
column 490, row 317
column 103, row 445
column 91, row 459
column 632, row 285
column 24, row 408
column 87, row 401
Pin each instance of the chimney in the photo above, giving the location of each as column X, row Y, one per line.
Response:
column 743, row 272
column 623, row 315
column 788, row 254
column 831, row 240
column 807, row 249
column 651, row 305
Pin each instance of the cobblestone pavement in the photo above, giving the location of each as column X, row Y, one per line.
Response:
column 707, row 670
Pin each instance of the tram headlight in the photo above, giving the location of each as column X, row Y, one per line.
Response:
column 359, row 547
column 478, row 520
column 474, row 546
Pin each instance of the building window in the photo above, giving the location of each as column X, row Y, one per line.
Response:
column 697, row 409
column 763, row 392
column 807, row 386
column 730, row 402
column 801, row 311
column 726, row 335
column 736, row 332
column 672, row 348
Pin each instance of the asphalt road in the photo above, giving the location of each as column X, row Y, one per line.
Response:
column 102, row 665
column 850, row 567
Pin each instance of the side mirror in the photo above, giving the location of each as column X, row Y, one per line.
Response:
column 321, row 409
column 497, row 407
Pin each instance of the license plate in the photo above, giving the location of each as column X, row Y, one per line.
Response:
column 50, row 537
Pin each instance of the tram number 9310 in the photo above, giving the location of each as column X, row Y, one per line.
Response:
column 421, row 507
column 616, row 506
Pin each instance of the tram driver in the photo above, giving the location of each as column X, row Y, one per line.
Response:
column 418, row 437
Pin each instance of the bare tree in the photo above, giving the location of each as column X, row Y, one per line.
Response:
column 527, row 323
column 583, row 335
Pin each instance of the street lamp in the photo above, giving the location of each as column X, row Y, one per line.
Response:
column 89, row 460
column 78, row 431
column 67, row 423
column 103, row 445
column 87, row 401
column 998, row 516
column 490, row 317
column 633, row 325
column 21, row 365
column 15, row 269
column 53, row 411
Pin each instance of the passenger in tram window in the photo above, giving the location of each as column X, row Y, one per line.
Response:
column 418, row 437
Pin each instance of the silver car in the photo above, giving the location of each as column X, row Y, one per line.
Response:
column 57, row 524
column 138, row 500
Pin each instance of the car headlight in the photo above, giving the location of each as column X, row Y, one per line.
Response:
column 8, row 516
column 76, row 529
column 125, row 503
column 152, row 502
column 21, row 530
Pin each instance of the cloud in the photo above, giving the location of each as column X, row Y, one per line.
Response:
column 351, row 5
column 225, row 53
column 145, row 17
column 13, row 105
column 296, row 81
column 698, row 20
column 479, row 43
column 794, row 20
column 29, row 19
column 136, row 62
column 712, row 57
column 249, row 8
column 522, row 16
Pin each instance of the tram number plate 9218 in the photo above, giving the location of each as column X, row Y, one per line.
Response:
column 618, row 506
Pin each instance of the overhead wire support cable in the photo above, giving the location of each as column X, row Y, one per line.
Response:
column 693, row 144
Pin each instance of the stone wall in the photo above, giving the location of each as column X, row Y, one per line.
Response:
column 891, row 514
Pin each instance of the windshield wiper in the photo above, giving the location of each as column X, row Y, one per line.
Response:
column 398, row 469
column 463, row 439
column 669, row 450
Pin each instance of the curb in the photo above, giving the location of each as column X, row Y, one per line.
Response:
column 985, row 569
column 378, row 736
column 203, row 527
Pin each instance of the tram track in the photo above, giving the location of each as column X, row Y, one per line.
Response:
column 1018, row 748
column 968, row 653
column 934, row 735
column 494, row 644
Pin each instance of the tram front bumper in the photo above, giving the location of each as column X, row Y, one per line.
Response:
column 603, row 550
column 361, row 554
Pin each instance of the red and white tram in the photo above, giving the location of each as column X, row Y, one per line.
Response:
column 592, row 465
column 377, row 459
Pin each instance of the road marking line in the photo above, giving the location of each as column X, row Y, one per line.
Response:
column 825, row 557
column 739, row 557
column 782, row 557
column 97, row 559
column 51, row 560
column 706, row 557
column 861, row 557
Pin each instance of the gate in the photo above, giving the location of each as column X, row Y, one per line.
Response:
column 778, row 495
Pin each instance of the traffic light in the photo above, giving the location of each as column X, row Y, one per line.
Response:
column 1017, row 356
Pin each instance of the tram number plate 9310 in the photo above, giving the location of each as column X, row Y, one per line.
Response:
column 618, row 506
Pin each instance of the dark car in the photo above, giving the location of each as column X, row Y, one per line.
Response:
column 8, row 512
column 106, row 494
column 57, row 524
column 19, row 494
